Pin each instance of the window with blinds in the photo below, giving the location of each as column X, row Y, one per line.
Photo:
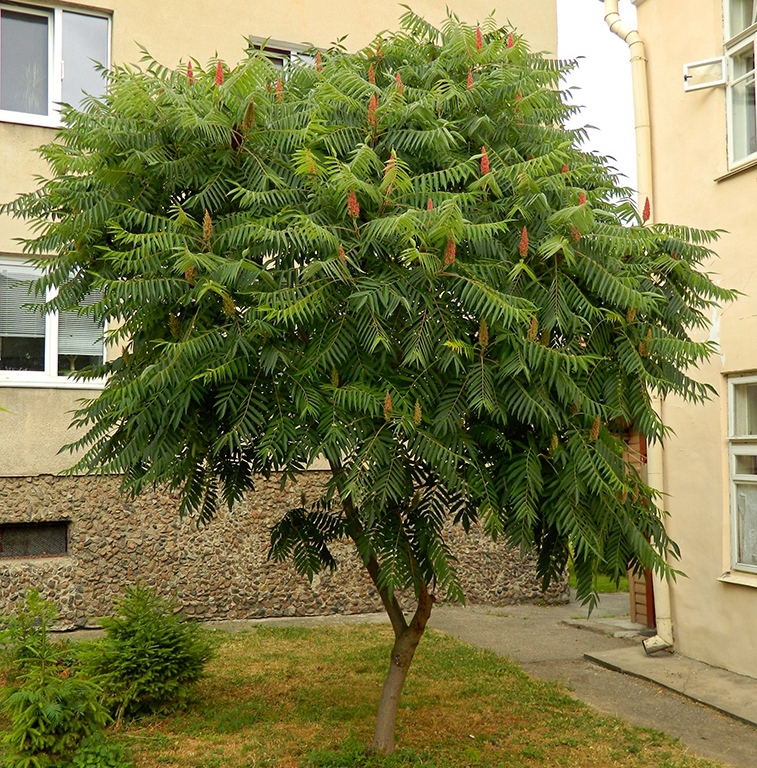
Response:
column 36, row 345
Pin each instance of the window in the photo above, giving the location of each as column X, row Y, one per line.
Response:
column 33, row 539
column 48, row 56
column 743, row 469
column 280, row 53
column 35, row 348
column 741, row 39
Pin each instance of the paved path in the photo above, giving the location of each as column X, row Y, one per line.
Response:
column 550, row 643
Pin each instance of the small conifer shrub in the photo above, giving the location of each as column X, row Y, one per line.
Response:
column 150, row 658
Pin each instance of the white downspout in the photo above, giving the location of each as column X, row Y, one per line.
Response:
column 655, row 469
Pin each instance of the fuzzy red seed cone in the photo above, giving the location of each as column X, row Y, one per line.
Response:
column 318, row 62
column 279, row 90
column 449, row 252
column 565, row 168
column 398, row 83
column 469, row 85
column 575, row 234
column 484, row 161
column 479, row 39
column 510, row 41
column 342, row 254
column 430, row 205
column 483, row 333
column 219, row 73
column 353, row 207
column 518, row 96
column 594, row 433
column 207, row 228
column 190, row 74
column 523, row 245
column 371, row 75
column 372, row 107
column 388, row 406
column 582, row 198
column 647, row 212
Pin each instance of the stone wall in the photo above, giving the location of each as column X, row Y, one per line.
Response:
column 217, row 572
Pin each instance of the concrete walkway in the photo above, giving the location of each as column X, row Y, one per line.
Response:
column 558, row 643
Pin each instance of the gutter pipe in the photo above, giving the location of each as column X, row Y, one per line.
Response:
column 663, row 640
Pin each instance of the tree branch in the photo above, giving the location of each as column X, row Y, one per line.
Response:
column 357, row 534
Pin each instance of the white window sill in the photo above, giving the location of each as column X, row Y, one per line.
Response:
column 742, row 578
column 49, row 382
column 36, row 121
column 736, row 170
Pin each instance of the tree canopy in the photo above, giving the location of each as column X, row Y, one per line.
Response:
column 397, row 259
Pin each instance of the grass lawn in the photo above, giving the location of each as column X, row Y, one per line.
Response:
column 602, row 583
column 307, row 697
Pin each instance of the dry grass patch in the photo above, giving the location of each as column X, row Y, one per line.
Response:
column 308, row 697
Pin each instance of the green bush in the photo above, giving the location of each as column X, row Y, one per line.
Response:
column 97, row 752
column 25, row 638
column 51, row 713
column 51, row 708
column 150, row 658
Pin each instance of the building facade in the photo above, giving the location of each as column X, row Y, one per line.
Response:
column 701, row 72
column 78, row 540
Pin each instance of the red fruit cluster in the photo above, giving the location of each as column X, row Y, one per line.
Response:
column 371, row 75
column 318, row 62
column 449, row 252
column 484, row 161
column 510, row 41
column 523, row 245
column 582, row 198
column 279, row 90
column 219, row 73
column 479, row 39
column 353, row 207
column 190, row 74
column 647, row 212
column 469, row 85
column 565, row 168
column 398, row 82
column 372, row 106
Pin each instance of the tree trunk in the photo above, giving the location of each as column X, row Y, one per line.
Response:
column 406, row 636
column 405, row 643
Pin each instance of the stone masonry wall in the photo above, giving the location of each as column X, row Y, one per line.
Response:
column 217, row 572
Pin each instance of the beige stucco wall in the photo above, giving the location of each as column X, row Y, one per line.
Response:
column 34, row 427
column 174, row 30
column 713, row 620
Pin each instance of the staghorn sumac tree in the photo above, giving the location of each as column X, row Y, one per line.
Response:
column 399, row 260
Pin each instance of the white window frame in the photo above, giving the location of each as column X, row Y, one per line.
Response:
column 691, row 81
column 738, row 445
column 49, row 377
column 282, row 50
column 55, row 61
column 733, row 45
